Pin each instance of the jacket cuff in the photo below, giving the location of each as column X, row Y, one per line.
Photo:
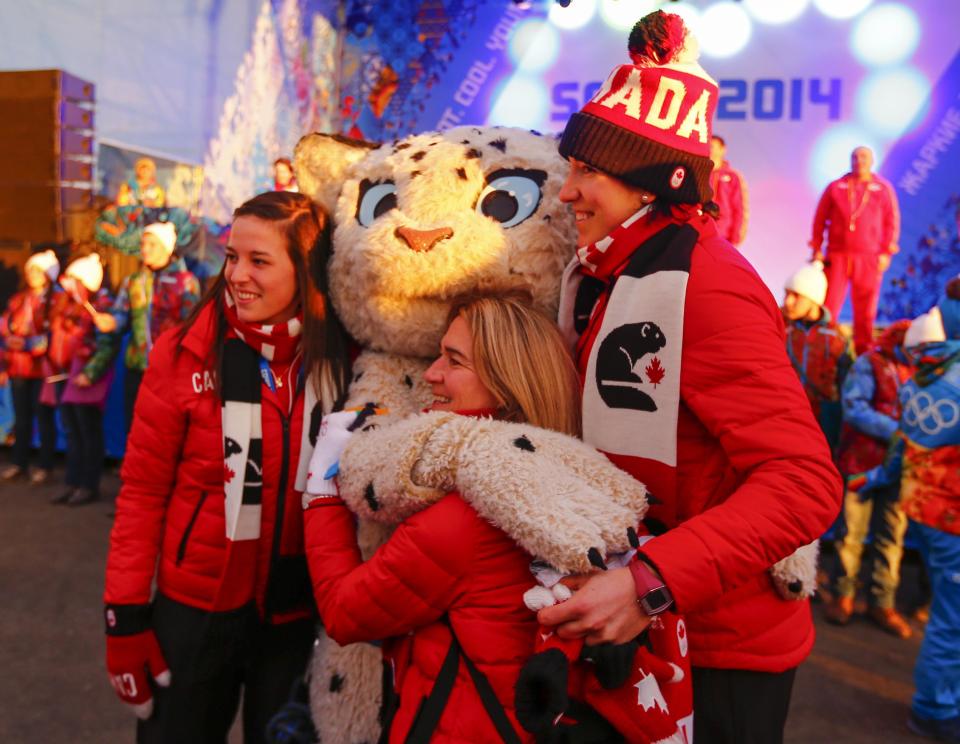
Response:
column 126, row 620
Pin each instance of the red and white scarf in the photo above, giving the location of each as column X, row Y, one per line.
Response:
column 622, row 308
column 242, row 379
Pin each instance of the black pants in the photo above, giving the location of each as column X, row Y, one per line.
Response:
column 26, row 407
column 83, row 425
column 734, row 706
column 131, row 386
column 211, row 657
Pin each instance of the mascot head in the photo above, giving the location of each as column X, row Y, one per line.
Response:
column 424, row 219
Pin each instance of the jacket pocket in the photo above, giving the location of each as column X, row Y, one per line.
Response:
column 182, row 549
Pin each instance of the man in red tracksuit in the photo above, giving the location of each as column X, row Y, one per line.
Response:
column 859, row 211
column 729, row 194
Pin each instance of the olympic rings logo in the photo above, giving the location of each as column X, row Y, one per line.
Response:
column 931, row 416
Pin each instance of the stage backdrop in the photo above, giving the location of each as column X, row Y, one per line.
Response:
column 802, row 82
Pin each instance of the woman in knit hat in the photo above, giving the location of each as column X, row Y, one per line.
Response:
column 23, row 329
column 686, row 386
column 81, row 392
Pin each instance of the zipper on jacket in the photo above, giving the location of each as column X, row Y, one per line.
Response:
column 278, row 517
column 182, row 550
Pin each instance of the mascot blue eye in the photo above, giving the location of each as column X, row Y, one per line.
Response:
column 375, row 199
column 511, row 196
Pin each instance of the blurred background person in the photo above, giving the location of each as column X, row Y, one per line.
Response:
column 818, row 350
column 930, row 496
column 23, row 328
column 283, row 178
column 729, row 194
column 871, row 416
column 80, row 392
column 159, row 296
column 861, row 216
column 142, row 188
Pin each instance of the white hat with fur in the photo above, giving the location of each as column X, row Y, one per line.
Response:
column 46, row 261
column 88, row 271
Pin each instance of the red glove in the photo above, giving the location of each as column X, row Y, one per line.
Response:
column 132, row 651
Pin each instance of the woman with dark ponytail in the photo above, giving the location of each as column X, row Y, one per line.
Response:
column 210, row 508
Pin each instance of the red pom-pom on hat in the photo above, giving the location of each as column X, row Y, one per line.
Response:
column 657, row 38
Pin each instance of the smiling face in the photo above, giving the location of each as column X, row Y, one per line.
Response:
column 153, row 252
column 453, row 379
column 259, row 272
column 600, row 202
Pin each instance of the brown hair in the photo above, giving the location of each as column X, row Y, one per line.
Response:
column 521, row 358
column 307, row 231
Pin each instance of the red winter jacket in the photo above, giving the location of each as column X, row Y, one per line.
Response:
column 870, row 207
column 754, row 478
column 25, row 319
column 169, row 523
column 730, row 194
column 444, row 560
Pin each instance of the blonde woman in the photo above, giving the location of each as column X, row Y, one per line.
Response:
column 447, row 590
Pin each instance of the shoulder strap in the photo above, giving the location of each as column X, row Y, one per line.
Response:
column 432, row 708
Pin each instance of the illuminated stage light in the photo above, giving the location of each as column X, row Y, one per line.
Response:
column 889, row 100
column 775, row 11
column 724, row 29
column 830, row 156
column 520, row 102
column 623, row 14
column 574, row 15
column 690, row 14
column 842, row 8
column 886, row 34
column 534, row 46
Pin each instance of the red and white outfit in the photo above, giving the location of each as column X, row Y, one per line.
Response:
column 862, row 221
column 730, row 194
column 730, row 443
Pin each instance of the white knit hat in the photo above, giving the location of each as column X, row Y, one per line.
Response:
column 46, row 261
column 165, row 232
column 88, row 271
column 810, row 282
column 925, row 329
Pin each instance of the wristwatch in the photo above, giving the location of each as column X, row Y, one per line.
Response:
column 652, row 594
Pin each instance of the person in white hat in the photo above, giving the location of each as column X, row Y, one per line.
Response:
column 819, row 351
column 80, row 392
column 23, row 330
column 157, row 297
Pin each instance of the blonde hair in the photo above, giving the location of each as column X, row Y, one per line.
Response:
column 521, row 358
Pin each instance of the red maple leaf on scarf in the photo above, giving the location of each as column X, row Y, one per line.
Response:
column 655, row 372
column 227, row 473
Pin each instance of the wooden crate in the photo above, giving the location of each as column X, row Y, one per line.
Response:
column 45, row 84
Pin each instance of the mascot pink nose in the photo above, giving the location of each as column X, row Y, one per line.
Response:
column 423, row 240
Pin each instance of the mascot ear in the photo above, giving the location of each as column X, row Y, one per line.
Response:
column 321, row 162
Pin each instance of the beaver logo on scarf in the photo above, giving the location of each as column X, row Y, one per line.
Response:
column 623, row 368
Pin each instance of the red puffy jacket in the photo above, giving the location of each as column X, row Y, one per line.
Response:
column 754, row 478
column 444, row 560
column 171, row 504
column 25, row 319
